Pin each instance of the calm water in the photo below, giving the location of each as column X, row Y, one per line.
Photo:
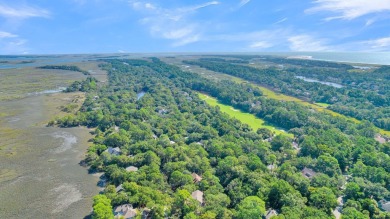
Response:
column 382, row 58
column 321, row 82
column 36, row 61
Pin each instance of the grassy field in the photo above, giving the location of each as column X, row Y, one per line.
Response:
column 384, row 132
column 322, row 104
column 246, row 118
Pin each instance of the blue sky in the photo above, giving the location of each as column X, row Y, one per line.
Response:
column 111, row 26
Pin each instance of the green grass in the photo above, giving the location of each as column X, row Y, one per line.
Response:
column 246, row 118
column 384, row 132
column 323, row 104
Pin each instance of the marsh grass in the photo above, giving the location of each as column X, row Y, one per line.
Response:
column 93, row 68
column 20, row 83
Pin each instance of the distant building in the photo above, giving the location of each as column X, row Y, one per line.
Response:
column 337, row 212
column 271, row 167
column 380, row 139
column 125, row 211
column 308, row 173
column 119, row 188
column 198, row 195
column 270, row 213
column 113, row 151
column 384, row 205
column 296, row 146
column 196, row 177
column 162, row 111
column 146, row 213
column 132, row 169
column 116, row 128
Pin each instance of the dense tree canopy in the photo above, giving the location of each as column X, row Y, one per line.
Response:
column 172, row 136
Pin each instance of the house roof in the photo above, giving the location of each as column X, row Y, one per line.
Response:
column 112, row 150
column 308, row 173
column 380, row 139
column 132, row 169
column 295, row 145
column 270, row 213
column 146, row 212
column 196, row 177
column 198, row 195
column 384, row 205
column 337, row 212
column 131, row 213
column 119, row 188
column 271, row 167
column 127, row 211
column 122, row 208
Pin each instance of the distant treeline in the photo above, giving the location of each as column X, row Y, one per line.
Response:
column 281, row 61
column 65, row 67
column 238, row 61
column 308, row 63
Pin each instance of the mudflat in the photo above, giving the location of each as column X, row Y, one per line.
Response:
column 40, row 174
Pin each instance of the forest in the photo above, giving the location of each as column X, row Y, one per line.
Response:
column 170, row 155
column 361, row 93
column 65, row 67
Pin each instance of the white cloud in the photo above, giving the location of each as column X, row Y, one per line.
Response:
column 244, row 2
column 13, row 45
column 150, row 6
column 187, row 40
column 349, row 9
column 306, row 43
column 196, row 7
column 178, row 33
column 379, row 44
column 18, row 42
column 7, row 35
column 281, row 20
column 369, row 22
column 172, row 24
column 264, row 39
column 16, row 14
column 261, row 45
column 22, row 12
column 255, row 36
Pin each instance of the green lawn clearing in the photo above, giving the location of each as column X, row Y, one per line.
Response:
column 246, row 118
